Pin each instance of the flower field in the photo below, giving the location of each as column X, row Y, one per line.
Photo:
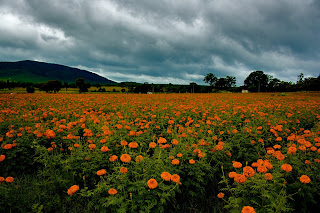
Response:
column 160, row 152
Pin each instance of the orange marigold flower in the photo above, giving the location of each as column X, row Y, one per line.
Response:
column 113, row 158
column 112, row 191
column 174, row 141
column 105, row 149
column 166, row 176
column 101, row 172
column 262, row 169
column 133, row 145
column 179, row 155
column 218, row 147
column 237, row 165
column 248, row 209
column 171, row 157
column 307, row 162
column 123, row 143
column 232, row 174
column 175, row 178
column 191, row 161
column 304, row 179
column 123, row 170
column 175, row 161
column 2, row 157
column 268, row 176
column 7, row 146
column 152, row 183
column 139, row 158
column 220, row 195
column 162, row 140
column 152, row 145
column 73, row 189
column 248, row 171
column 92, row 146
column 125, row 158
column 201, row 155
column 280, row 156
column 9, row 179
column 277, row 146
column 2, row 179
column 240, row 178
column 286, row 167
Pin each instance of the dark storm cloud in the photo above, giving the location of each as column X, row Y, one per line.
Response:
column 166, row 41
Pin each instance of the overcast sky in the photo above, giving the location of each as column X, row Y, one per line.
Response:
column 166, row 41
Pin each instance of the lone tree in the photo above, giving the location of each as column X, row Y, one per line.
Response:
column 257, row 81
column 211, row 79
column 52, row 86
column 80, row 83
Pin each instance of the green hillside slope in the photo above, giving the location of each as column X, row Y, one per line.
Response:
column 36, row 72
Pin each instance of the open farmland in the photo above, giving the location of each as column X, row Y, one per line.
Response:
column 160, row 152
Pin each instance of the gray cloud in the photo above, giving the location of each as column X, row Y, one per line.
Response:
column 166, row 41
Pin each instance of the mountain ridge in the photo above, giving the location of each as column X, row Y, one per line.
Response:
column 41, row 72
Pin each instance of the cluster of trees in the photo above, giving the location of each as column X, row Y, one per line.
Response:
column 165, row 88
column 55, row 86
column 221, row 83
column 258, row 81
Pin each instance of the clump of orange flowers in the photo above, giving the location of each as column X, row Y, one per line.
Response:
column 286, row 167
column 304, row 179
column 112, row 191
column 166, row 176
column 248, row 209
column 220, row 195
column 175, row 161
column 123, row 170
column 73, row 189
column 9, row 179
column 101, row 172
column 237, row 165
column 125, row 158
column 152, row 183
column 176, row 178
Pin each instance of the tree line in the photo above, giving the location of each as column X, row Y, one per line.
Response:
column 258, row 81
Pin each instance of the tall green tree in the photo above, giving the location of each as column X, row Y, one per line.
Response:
column 52, row 86
column 80, row 83
column 211, row 79
column 257, row 81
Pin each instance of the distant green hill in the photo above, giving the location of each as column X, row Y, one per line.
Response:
column 38, row 72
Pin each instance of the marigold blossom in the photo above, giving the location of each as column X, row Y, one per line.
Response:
column 175, row 178
column 175, row 161
column 125, row 158
column 101, row 172
column 220, row 195
column 166, row 176
column 286, row 167
column 304, row 179
column 73, row 189
column 2, row 157
column 248, row 209
column 9, row 179
column 112, row 191
column 152, row 183
column 237, row 165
